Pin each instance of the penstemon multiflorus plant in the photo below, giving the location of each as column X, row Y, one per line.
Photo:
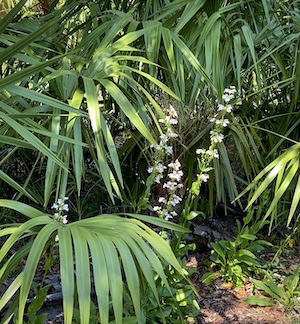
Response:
column 171, row 171
column 206, row 156
column 170, row 197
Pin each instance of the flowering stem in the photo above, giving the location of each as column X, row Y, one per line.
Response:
column 206, row 157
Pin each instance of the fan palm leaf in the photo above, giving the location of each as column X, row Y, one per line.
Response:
column 108, row 242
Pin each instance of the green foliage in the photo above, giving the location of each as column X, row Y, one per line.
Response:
column 108, row 243
column 118, row 60
column 284, row 169
column 236, row 259
column 174, row 310
column 77, row 76
column 35, row 306
column 285, row 293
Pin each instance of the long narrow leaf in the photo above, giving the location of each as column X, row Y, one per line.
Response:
column 8, row 18
column 26, row 210
column 82, row 273
column 101, row 274
column 114, row 278
column 294, row 167
column 131, row 274
column 128, row 109
column 295, row 202
column 22, row 43
column 66, row 272
column 29, row 137
column 94, row 114
column 32, row 262
column 15, row 185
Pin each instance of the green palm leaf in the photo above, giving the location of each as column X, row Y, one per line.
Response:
column 127, row 108
column 82, row 272
column 284, row 168
column 109, row 242
column 66, row 271
column 97, row 123
column 32, row 262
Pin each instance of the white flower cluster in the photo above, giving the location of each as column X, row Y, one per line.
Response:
column 171, row 186
column 220, row 119
column 158, row 169
column 216, row 136
column 214, row 153
column 228, row 94
column 60, row 208
column 224, row 122
column 163, row 148
column 168, row 121
column 226, row 108
column 165, row 210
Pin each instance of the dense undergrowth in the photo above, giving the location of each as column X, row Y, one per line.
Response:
column 123, row 121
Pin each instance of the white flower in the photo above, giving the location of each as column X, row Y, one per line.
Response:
column 167, row 119
column 164, row 138
column 170, row 133
column 220, row 107
column 60, row 207
column 213, row 120
column 227, row 97
column 167, row 215
column 216, row 137
column 175, row 165
column 228, row 108
column 176, row 175
column 173, row 121
column 158, row 178
column 172, row 111
column 200, row 151
column 231, row 90
column 204, row 177
column 175, row 200
column 216, row 154
column 225, row 122
column 156, row 208
column 162, row 200
column 56, row 238
column 158, row 147
column 60, row 201
column 172, row 185
column 169, row 149
column 160, row 167
column 150, row 169
column 55, row 206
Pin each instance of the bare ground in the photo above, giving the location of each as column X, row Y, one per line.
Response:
column 223, row 304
